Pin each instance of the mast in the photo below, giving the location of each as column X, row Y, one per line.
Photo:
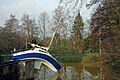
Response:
column 57, row 28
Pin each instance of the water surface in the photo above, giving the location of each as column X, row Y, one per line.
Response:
column 69, row 71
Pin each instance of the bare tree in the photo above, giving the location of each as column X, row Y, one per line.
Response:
column 43, row 25
column 30, row 28
column 27, row 22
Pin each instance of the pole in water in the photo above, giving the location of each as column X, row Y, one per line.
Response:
column 44, row 71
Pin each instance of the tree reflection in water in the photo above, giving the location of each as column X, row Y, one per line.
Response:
column 58, row 78
column 69, row 71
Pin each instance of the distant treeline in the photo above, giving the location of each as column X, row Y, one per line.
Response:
column 16, row 34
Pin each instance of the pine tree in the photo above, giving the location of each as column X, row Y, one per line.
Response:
column 77, row 38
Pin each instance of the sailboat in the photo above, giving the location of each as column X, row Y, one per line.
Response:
column 40, row 55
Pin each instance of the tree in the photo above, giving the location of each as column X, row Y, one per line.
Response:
column 77, row 38
column 11, row 35
column 105, row 32
column 44, row 27
column 105, row 26
column 30, row 28
column 27, row 22
column 10, row 32
column 34, row 29
column 43, row 24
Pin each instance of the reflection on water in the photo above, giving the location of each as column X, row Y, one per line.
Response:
column 69, row 71
column 85, row 75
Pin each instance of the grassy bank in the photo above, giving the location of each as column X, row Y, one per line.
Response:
column 69, row 57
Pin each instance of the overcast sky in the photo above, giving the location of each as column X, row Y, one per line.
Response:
column 32, row 7
column 19, row 7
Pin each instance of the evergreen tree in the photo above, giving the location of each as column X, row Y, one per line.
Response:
column 77, row 38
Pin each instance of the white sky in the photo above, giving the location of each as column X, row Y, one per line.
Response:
column 19, row 7
column 32, row 7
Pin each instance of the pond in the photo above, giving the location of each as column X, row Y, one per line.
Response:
column 69, row 71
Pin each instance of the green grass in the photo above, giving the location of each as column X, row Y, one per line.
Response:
column 69, row 57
